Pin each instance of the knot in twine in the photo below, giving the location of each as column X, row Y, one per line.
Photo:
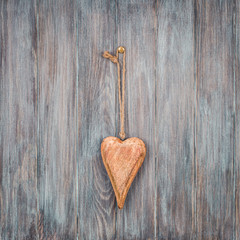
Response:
column 114, row 59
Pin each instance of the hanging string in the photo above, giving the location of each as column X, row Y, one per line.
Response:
column 115, row 59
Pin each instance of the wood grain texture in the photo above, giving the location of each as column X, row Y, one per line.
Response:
column 215, row 119
column 18, row 118
column 57, row 165
column 174, row 126
column 237, row 120
column 136, row 32
column 122, row 160
column 59, row 100
column 97, row 84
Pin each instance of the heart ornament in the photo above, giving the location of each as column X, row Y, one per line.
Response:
column 122, row 160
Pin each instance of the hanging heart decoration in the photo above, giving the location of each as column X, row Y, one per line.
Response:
column 122, row 158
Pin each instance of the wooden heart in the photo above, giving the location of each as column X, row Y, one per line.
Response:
column 122, row 160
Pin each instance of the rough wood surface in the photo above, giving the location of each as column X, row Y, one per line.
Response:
column 97, row 86
column 18, row 120
column 174, row 124
column 237, row 119
column 57, row 162
column 215, row 120
column 136, row 32
column 59, row 100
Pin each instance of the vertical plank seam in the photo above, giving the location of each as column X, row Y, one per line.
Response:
column 195, row 25
column 1, row 87
column 155, row 113
column 38, row 127
column 116, row 108
column 76, row 118
column 236, row 76
column 234, row 114
column 8, row 113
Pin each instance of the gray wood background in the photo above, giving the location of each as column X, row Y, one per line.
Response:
column 58, row 100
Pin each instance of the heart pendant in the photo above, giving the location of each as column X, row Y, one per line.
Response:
column 122, row 160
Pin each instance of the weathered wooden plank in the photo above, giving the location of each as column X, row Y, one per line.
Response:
column 96, row 118
column 215, row 119
column 57, row 174
column 136, row 31
column 18, row 124
column 175, row 120
column 78, row 107
column 237, row 120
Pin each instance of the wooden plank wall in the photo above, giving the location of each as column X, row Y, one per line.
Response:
column 57, row 162
column 96, row 117
column 137, row 220
column 59, row 99
column 215, row 119
column 18, row 127
column 174, row 126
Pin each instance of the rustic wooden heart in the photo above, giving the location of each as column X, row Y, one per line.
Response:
column 122, row 160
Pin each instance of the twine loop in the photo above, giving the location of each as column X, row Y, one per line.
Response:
column 121, row 93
